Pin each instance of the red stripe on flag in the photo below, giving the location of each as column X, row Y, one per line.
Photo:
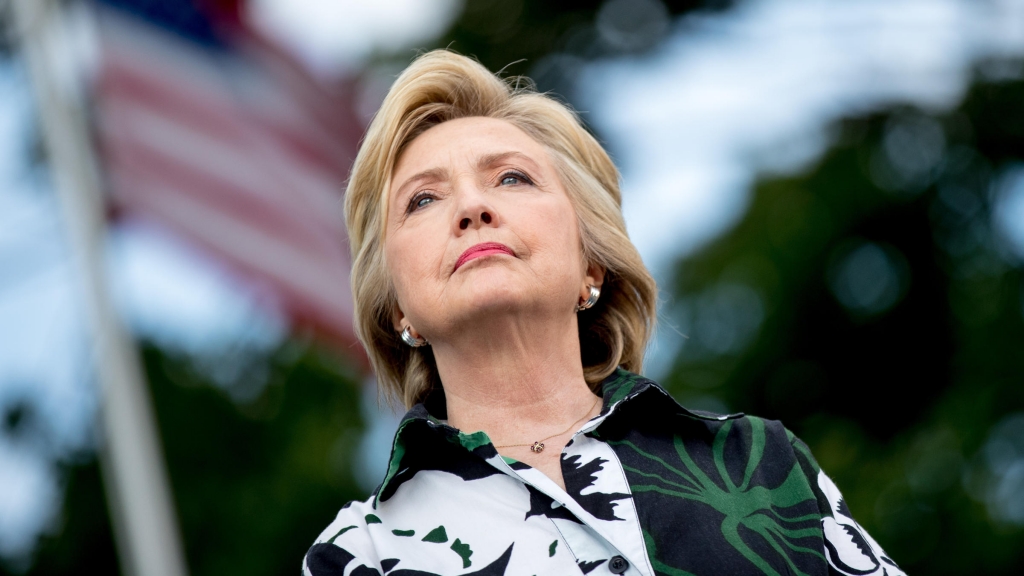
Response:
column 240, row 152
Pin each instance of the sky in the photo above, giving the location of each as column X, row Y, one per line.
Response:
column 334, row 36
column 727, row 97
column 39, row 321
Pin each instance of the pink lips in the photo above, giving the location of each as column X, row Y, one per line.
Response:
column 481, row 250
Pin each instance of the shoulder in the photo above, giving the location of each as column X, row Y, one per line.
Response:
column 344, row 541
column 650, row 429
column 738, row 439
column 650, row 404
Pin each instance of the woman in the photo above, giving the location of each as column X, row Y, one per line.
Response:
column 498, row 295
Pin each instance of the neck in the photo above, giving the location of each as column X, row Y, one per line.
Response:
column 516, row 382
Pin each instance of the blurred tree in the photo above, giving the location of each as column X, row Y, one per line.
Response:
column 873, row 305
column 255, row 479
column 550, row 41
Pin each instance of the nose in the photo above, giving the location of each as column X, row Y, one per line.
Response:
column 475, row 210
column 467, row 221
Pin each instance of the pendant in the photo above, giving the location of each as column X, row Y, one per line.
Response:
column 537, row 447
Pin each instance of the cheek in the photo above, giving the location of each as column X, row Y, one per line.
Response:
column 413, row 258
column 553, row 230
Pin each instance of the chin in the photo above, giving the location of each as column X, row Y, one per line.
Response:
column 495, row 295
column 494, row 292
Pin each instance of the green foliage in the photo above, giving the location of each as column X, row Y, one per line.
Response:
column 257, row 482
column 254, row 482
column 870, row 305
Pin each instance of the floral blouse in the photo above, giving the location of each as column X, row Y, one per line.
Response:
column 650, row 488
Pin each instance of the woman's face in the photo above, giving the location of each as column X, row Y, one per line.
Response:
column 479, row 226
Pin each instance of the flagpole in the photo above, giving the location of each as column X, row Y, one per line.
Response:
column 138, row 493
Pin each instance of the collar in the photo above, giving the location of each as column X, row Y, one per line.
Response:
column 427, row 420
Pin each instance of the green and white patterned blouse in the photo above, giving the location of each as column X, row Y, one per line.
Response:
column 650, row 488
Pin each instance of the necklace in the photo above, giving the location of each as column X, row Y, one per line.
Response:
column 538, row 446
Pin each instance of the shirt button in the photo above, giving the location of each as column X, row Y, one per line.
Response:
column 618, row 565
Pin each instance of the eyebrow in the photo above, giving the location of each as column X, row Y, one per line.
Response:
column 440, row 174
column 429, row 175
column 492, row 159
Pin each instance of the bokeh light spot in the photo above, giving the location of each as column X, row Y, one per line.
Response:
column 728, row 318
column 1008, row 214
column 868, row 278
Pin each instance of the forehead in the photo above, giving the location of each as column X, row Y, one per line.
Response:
column 463, row 139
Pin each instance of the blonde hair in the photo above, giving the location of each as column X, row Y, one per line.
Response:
column 440, row 86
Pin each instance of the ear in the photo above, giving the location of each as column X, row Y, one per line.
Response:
column 594, row 277
column 398, row 319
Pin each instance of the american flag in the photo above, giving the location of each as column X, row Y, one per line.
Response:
column 211, row 130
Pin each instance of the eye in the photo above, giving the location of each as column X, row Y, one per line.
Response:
column 513, row 177
column 420, row 200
